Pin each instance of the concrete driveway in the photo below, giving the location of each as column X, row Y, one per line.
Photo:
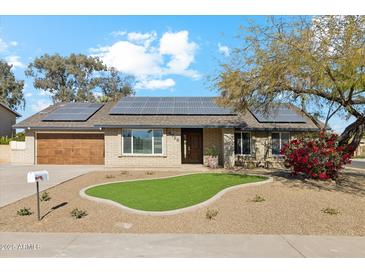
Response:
column 13, row 179
column 358, row 163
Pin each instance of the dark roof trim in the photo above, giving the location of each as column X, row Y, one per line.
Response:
column 99, row 127
column 277, row 129
column 166, row 126
column 57, row 128
column 208, row 126
column 9, row 109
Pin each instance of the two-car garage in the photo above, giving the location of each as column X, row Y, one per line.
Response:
column 70, row 148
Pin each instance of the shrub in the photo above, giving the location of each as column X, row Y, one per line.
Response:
column 24, row 212
column 211, row 151
column 78, row 213
column 258, row 199
column 331, row 211
column 318, row 156
column 211, row 213
column 149, row 172
column 19, row 137
column 45, row 196
column 124, row 172
column 4, row 140
column 109, row 176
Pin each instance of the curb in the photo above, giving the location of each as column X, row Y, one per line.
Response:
column 169, row 212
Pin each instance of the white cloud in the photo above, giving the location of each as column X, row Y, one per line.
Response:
column 182, row 52
column 131, row 58
column 156, row 84
column 28, row 94
column 5, row 45
column 43, row 92
column 40, row 105
column 151, row 59
column 119, row 33
column 223, row 50
column 14, row 60
column 98, row 94
column 142, row 38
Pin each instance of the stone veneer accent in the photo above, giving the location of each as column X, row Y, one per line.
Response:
column 29, row 154
column 213, row 137
column 228, row 147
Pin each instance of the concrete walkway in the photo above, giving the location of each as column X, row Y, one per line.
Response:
column 15, row 244
column 13, row 179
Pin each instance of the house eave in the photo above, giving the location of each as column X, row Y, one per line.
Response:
column 57, row 128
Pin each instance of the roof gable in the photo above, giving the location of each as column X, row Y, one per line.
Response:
column 9, row 109
column 103, row 119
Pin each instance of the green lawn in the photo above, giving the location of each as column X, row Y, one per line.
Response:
column 170, row 193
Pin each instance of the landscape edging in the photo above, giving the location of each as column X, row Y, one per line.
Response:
column 168, row 212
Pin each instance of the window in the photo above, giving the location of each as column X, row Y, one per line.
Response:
column 142, row 141
column 242, row 143
column 278, row 140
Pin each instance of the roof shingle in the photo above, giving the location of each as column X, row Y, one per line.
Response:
column 102, row 119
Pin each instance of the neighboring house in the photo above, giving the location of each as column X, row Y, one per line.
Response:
column 158, row 132
column 360, row 151
column 7, row 120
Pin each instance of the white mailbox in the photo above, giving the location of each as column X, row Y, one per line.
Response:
column 37, row 176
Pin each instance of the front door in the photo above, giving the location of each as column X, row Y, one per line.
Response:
column 192, row 146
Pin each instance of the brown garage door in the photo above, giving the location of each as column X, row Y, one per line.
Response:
column 70, row 149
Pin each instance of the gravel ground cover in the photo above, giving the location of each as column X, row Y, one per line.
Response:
column 289, row 205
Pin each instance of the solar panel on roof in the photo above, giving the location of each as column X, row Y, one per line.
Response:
column 169, row 106
column 282, row 114
column 73, row 112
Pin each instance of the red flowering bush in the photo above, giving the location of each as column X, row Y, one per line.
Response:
column 317, row 155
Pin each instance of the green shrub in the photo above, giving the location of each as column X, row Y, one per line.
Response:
column 19, row 137
column 4, row 140
column 78, row 213
column 211, row 213
column 149, row 173
column 109, row 176
column 211, row 151
column 24, row 212
column 331, row 211
column 258, row 199
column 45, row 196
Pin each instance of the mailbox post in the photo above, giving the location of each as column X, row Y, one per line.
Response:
column 36, row 177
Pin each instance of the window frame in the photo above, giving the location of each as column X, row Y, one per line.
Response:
column 153, row 142
column 280, row 142
column 241, row 132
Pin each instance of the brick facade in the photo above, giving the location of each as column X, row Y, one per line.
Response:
column 222, row 139
column 171, row 157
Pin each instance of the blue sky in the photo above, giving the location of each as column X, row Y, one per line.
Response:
column 168, row 55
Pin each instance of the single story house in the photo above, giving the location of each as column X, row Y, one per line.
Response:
column 158, row 132
column 7, row 120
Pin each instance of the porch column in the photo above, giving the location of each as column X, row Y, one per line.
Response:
column 228, row 147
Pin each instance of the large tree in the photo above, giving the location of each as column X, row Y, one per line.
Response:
column 316, row 63
column 11, row 90
column 76, row 78
column 115, row 86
